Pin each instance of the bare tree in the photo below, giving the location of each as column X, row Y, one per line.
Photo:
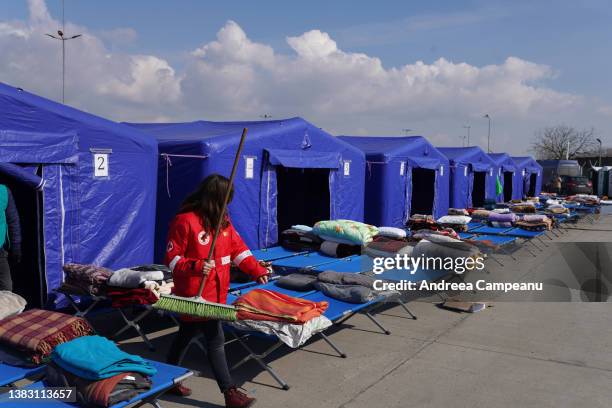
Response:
column 554, row 142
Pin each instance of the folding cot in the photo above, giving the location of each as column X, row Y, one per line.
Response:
column 167, row 377
column 491, row 244
column 10, row 374
column 268, row 255
column 84, row 309
column 515, row 232
column 301, row 263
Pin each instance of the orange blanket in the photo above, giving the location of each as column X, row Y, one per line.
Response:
column 263, row 304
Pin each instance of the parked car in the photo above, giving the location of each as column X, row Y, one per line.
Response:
column 576, row 185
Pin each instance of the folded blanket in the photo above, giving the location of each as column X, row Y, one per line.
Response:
column 90, row 278
column 346, row 278
column 297, row 281
column 418, row 222
column 263, row 304
column 299, row 240
column 346, row 293
column 424, row 234
column 122, row 297
column 96, row 358
column 392, row 232
column 101, row 393
column 342, row 231
column 293, row 335
column 501, row 210
column 508, row 217
column 128, row 278
column 458, row 211
column 37, row 332
column 535, row 218
column 523, row 208
column 460, row 249
column 384, row 247
column 338, row 250
column 10, row 304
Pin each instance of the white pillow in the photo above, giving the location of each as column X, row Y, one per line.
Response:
column 454, row 219
column 392, row 232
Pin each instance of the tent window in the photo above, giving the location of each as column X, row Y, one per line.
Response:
column 28, row 276
column 507, row 186
column 532, row 184
column 478, row 189
column 303, row 196
column 423, row 188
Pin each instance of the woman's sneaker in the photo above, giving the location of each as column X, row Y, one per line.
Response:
column 237, row 399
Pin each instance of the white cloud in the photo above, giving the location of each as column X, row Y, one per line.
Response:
column 234, row 77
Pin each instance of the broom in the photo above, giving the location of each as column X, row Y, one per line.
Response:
column 196, row 306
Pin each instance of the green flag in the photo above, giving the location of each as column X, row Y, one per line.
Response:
column 498, row 186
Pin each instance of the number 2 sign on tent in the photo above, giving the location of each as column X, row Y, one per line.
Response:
column 101, row 168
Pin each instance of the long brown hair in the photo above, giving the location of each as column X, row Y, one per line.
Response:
column 206, row 201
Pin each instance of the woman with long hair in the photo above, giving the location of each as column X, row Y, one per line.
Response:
column 189, row 240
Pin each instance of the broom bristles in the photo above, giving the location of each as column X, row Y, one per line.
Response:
column 196, row 307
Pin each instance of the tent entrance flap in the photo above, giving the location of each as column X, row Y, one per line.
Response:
column 507, row 186
column 479, row 189
column 29, row 275
column 533, row 177
column 423, row 191
column 303, row 196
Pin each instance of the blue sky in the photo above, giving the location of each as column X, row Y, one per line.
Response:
column 570, row 38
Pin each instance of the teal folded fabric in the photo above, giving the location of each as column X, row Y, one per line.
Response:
column 96, row 358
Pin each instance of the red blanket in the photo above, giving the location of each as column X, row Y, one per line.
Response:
column 262, row 304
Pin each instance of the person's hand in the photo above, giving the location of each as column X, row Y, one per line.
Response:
column 262, row 279
column 207, row 266
column 267, row 265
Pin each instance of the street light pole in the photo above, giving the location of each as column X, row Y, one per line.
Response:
column 488, row 134
column 60, row 37
column 599, row 141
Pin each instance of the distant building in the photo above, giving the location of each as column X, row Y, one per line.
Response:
column 588, row 159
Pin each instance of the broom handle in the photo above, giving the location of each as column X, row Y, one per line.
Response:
column 225, row 202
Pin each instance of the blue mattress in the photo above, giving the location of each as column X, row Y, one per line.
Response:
column 10, row 374
column 492, row 230
column 465, row 235
column 495, row 239
column 521, row 233
column 272, row 286
column 274, row 253
column 352, row 264
column 305, row 261
column 473, row 226
column 163, row 380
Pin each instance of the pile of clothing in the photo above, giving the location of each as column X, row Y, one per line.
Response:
column 525, row 207
column 383, row 246
column 458, row 211
column 300, row 238
column 29, row 338
column 85, row 279
column 459, row 223
column 502, row 220
column 478, row 214
column 586, row 199
column 102, row 374
column 418, row 222
column 535, row 222
column 141, row 285
column 263, row 304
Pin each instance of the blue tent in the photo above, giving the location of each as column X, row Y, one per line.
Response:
column 531, row 175
column 96, row 182
column 509, row 177
column 291, row 172
column 471, row 176
column 405, row 175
